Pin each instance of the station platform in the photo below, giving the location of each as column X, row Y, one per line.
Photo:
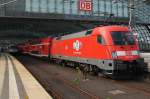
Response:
column 16, row 82
column 146, row 57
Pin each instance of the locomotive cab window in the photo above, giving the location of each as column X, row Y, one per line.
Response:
column 123, row 38
column 100, row 39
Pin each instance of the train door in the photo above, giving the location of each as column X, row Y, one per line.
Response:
column 104, row 61
column 103, row 47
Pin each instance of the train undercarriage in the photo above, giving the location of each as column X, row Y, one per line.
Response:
column 128, row 70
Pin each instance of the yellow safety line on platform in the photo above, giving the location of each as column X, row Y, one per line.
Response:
column 13, row 88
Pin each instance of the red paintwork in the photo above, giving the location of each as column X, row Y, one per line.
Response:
column 33, row 47
column 89, row 48
column 24, row 48
column 37, row 46
column 45, row 48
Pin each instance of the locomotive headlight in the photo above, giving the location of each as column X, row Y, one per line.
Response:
column 114, row 54
column 135, row 52
column 120, row 53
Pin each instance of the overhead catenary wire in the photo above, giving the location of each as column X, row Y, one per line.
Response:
column 3, row 4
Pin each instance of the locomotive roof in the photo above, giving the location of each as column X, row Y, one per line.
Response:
column 83, row 33
column 113, row 27
column 74, row 35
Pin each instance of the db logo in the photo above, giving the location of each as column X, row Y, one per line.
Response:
column 77, row 45
column 85, row 5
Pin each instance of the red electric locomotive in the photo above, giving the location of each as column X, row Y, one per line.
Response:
column 109, row 49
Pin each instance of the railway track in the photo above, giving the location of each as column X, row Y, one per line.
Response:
column 76, row 88
column 85, row 92
column 52, row 91
column 134, row 86
column 143, row 87
column 46, row 84
column 137, row 87
column 39, row 72
column 55, row 92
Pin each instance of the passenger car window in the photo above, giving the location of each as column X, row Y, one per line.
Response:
column 100, row 39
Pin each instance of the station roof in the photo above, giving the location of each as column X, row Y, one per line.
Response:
column 15, row 30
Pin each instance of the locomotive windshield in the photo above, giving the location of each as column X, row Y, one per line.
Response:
column 122, row 38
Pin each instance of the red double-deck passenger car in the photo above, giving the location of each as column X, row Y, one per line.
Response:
column 40, row 47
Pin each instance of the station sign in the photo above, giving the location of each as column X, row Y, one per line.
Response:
column 85, row 5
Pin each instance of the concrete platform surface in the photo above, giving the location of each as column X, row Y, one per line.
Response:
column 16, row 82
column 146, row 57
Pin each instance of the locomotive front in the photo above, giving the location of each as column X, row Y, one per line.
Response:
column 125, row 52
column 124, row 46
